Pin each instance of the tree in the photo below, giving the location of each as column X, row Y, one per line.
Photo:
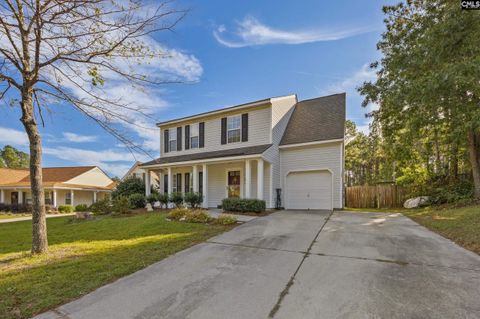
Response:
column 129, row 186
column 427, row 85
column 59, row 52
column 12, row 158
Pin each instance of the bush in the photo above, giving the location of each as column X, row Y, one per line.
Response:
column 81, row 208
column 64, row 209
column 193, row 200
column 450, row 193
column 177, row 214
column 163, row 199
column 16, row 208
column 196, row 216
column 176, row 199
column 101, row 207
column 50, row 209
column 152, row 198
column 129, row 186
column 121, row 205
column 137, row 201
column 243, row 205
column 225, row 219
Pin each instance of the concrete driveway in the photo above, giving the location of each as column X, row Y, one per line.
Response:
column 300, row 265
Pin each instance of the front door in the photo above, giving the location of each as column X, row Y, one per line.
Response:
column 233, row 184
column 14, row 198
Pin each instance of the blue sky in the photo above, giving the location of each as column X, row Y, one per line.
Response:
column 229, row 52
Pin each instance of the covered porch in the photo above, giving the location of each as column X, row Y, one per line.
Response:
column 216, row 179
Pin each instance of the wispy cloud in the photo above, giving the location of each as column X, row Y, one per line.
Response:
column 251, row 32
column 13, row 137
column 77, row 138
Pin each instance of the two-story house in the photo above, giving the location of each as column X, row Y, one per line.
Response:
column 288, row 153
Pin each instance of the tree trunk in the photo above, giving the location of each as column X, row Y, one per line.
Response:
column 474, row 152
column 39, row 224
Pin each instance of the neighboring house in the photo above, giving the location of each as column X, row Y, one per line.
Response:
column 63, row 185
column 257, row 150
column 139, row 172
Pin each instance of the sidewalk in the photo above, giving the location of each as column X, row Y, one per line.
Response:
column 19, row 219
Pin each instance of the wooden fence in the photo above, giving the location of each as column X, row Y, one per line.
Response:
column 378, row 196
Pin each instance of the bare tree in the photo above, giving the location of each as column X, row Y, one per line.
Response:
column 61, row 51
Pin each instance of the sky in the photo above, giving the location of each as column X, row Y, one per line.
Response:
column 226, row 53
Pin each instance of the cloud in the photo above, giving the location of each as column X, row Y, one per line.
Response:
column 76, row 138
column 13, row 137
column 251, row 32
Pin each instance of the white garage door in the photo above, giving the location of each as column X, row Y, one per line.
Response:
column 309, row 190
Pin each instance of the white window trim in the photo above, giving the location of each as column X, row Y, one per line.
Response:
column 193, row 136
column 170, row 140
column 239, row 128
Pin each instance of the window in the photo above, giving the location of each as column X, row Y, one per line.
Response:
column 68, row 198
column 233, row 129
column 172, row 140
column 194, row 135
column 177, row 183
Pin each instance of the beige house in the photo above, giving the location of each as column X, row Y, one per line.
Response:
column 63, row 185
column 281, row 150
column 137, row 171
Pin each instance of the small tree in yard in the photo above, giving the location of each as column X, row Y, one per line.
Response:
column 129, row 186
column 61, row 52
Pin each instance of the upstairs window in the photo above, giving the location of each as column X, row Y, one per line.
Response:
column 194, row 135
column 234, row 128
column 172, row 140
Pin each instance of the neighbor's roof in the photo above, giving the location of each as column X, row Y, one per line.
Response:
column 241, row 151
column 316, row 120
column 52, row 176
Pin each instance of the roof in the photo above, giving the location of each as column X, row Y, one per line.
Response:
column 316, row 120
column 221, row 110
column 241, row 151
column 52, row 177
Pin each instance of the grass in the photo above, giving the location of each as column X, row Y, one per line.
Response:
column 459, row 224
column 11, row 215
column 84, row 255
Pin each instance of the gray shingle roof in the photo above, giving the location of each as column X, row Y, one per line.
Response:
column 315, row 120
column 250, row 150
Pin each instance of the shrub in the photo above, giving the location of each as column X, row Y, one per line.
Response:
column 101, row 207
column 129, row 186
column 50, row 209
column 193, row 200
column 196, row 216
column 177, row 214
column 81, row 208
column 163, row 199
column 65, row 209
column 450, row 193
column 137, row 201
column 152, row 198
column 16, row 208
column 121, row 205
column 176, row 199
column 225, row 219
column 243, row 205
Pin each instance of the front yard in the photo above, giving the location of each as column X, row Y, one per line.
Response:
column 461, row 225
column 84, row 255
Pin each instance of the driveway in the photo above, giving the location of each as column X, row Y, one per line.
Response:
column 294, row 264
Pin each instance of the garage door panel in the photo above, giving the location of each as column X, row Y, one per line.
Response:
column 309, row 190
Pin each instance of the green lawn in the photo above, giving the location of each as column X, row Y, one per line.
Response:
column 461, row 225
column 83, row 256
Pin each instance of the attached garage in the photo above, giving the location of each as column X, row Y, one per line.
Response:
column 309, row 190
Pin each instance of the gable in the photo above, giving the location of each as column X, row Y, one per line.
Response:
column 93, row 177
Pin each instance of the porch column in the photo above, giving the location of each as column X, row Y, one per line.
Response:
column 2, row 196
column 195, row 178
column 170, row 181
column 20, row 197
column 248, row 179
column 205, row 185
column 260, row 178
column 72, row 195
column 94, row 197
column 147, row 183
column 54, row 201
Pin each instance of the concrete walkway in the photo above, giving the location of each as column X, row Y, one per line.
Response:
column 19, row 219
column 300, row 265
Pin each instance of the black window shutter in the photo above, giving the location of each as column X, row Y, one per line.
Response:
column 179, row 183
column 245, row 127
column 187, row 137
column 179, row 138
column 187, row 182
column 200, row 182
column 165, row 141
column 224, row 130
column 165, row 183
column 201, row 134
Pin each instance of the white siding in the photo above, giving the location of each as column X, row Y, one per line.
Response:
column 323, row 156
column 94, row 177
column 258, row 132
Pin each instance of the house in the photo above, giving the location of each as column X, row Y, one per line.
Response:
column 137, row 171
column 63, row 185
column 288, row 153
